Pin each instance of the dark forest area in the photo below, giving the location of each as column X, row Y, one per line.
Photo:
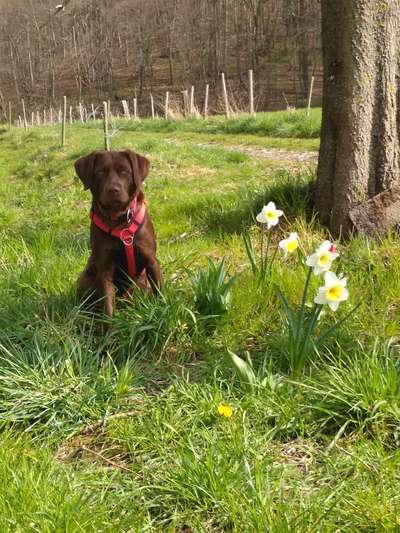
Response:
column 115, row 49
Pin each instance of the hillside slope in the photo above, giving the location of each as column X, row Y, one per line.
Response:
column 91, row 50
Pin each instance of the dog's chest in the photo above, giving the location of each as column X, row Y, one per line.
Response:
column 121, row 273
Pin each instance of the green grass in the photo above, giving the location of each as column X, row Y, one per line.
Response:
column 120, row 432
column 292, row 124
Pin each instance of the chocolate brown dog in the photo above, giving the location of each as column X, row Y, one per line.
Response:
column 122, row 238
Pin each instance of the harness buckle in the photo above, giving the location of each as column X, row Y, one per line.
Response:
column 129, row 215
column 126, row 237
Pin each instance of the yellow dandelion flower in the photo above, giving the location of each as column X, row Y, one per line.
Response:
column 225, row 410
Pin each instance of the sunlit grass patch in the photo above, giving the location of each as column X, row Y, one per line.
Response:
column 277, row 124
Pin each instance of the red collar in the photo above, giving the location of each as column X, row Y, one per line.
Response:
column 126, row 233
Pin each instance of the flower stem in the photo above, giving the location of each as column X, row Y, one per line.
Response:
column 265, row 261
column 302, row 308
column 301, row 352
column 311, row 324
column 262, row 247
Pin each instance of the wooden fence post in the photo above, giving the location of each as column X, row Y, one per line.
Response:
column 185, row 98
column 105, row 123
column 125, row 108
column 206, row 101
column 24, row 114
column 251, row 93
column 227, row 111
column 64, row 120
column 166, row 110
column 81, row 112
column 310, row 95
column 152, row 106
column 191, row 107
column 135, row 113
column 9, row 115
column 70, row 114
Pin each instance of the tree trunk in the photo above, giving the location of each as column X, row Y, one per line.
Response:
column 360, row 153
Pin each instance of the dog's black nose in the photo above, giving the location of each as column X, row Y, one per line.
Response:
column 114, row 189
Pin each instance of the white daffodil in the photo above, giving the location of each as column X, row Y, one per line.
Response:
column 333, row 292
column 321, row 260
column 269, row 215
column 290, row 244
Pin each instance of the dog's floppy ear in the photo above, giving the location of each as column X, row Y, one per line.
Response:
column 84, row 167
column 140, row 166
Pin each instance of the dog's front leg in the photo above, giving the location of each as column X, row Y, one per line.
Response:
column 154, row 274
column 105, row 287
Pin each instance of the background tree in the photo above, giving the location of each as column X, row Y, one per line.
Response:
column 360, row 151
column 96, row 49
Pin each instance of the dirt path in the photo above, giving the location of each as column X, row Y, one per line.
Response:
column 274, row 154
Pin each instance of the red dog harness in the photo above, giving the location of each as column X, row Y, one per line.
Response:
column 135, row 217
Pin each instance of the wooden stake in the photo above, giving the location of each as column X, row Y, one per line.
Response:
column 51, row 115
column 105, row 122
column 152, row 106
column 251, row 93
column 37, row 117
column 125, row 107
column 166, row 110
column 24, row 114
column 44, row 117
column 70, row 114
column 185, row 95
column 224, row 91
column 64, row 120
column 135, row 114
column 310, row 95
column 33, row 118
column 93, row 112
column 81, row 112
column 9, row 115
column 206, row 101
column 191, row 109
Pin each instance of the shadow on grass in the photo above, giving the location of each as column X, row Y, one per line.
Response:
column 233, row 214
column 20, row 316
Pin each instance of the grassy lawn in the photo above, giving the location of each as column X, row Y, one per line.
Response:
column 122, row 432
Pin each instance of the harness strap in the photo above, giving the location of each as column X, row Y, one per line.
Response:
column 125, row 234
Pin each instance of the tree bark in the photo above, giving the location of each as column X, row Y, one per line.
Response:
column 360, row 151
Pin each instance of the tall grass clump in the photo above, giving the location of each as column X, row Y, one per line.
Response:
column 44, row 389
column 211, row 288
column 359, row 391
column 149, row 325
column 294, row 124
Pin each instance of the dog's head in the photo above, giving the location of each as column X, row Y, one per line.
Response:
column 114, row 178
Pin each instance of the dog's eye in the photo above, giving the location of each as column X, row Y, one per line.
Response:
column 125, row 172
